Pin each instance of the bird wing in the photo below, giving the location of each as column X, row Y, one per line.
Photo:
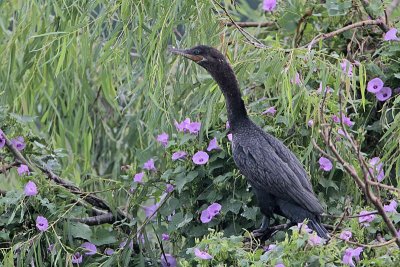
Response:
column 270, row 166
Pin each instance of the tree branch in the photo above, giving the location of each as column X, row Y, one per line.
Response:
column 346, row 28
column 392, row 6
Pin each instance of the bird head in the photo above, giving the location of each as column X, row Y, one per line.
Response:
column 207, row 57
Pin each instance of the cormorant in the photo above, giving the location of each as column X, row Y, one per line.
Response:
column 278, row 179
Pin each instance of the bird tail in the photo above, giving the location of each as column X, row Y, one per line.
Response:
column 319, row 228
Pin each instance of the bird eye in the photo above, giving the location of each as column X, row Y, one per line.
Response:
column 196, row 52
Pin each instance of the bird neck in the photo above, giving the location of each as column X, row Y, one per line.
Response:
column 229, row 86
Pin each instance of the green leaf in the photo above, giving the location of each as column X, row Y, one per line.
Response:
column 79, row 230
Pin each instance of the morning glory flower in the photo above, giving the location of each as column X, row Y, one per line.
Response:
column 296, row 79
column 18, row 143
column 367, row 218
column 315, row 240
column 335, row 119
column 77, row 258
column 374, row 85
column 202, row 254
column 347, row 67
column 123, row 244
column 109, row 251
column 183, row 126
column 165, row 237
column 230, row 136
column 280, row 265
column 377, row 168
column 347, row 121
column 194, row 127
column 304, row 228
column 270, row 111
column 269, row 5
column 349, row 254
column 178, row 155
column 325, row 164
column 269, row 247
column 2, row 139
column 391, row 35
column 168, row 261
column 213, row 145
column 50, row 248
column 169, row 188
column 30, row 189
column 89, row 248
column 42, row 224
column 150, row 210
column 210, row 212
column 392, row 207
column 23, row 169
column 163, row 139
column 200, row 158
column 345, row 235
column 138, row 178
column 384, row 94
column 310, row 123
column 227, row 125
column 149, row 165
column 341, row 132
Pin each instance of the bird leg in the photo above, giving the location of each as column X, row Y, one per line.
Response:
column 264, row 229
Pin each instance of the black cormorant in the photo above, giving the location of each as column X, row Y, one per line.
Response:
column 276, row 176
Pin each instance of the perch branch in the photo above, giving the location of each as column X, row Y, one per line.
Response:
column 96, row 220
column 346, row 28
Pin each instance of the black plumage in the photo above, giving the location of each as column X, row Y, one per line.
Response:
column 278, row 179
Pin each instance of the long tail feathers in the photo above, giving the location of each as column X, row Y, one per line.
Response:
column 319, row 228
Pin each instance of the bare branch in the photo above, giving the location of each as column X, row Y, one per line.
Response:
column 392, row 6
column 96, row 220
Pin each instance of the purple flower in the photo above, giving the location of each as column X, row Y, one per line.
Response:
column 2, row 139
column 41, row 223
column 138, row 178
column 108, row 251
column 208, row 214
column 377, row 168
column 269, row 247
column 194, row 127
column 123, row 244
column 18, row 143
column 270, row 111
column 183, row 126
column 335, row 119
column 30, row 189
column 165, row 237
column 269, row 5
column 150, row 210
column 315, row 240
column 89, row 248
column 391, row 35
column 345, row 235
column 202, row 254
column 214, row 209
column 23, row 169
column 213, row 145
column 325, row 164
column 296, row 79
column 149, row 165
column 200, row 158
column 384, row 94
column 367, row 218
column 347, row 121
column 280, row 265
column 168, row 261
column 178, row 155
column 327, row 89
column 375, row 85
column 310, row 123
column 50, row 248
column 227, row 125
column 77, row 258
column 304, row 228
column 349, row 254
column 169, row 188
column 341, row 132
column 230, row 136
column 347, row 67
column 163, row 139
column 392, row 207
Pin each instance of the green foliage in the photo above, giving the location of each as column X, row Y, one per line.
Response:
column 89, row 85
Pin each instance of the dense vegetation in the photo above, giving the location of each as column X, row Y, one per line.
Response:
column 115, row 152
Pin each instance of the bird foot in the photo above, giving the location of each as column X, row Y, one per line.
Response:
column 264, row 233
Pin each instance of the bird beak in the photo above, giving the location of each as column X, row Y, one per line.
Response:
column 186, row 53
